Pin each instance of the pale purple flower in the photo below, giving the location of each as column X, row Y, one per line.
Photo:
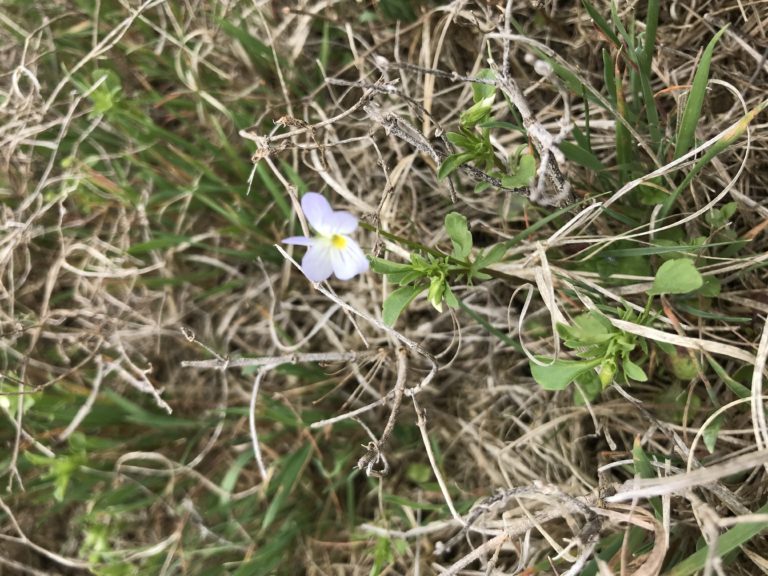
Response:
column 331, row 251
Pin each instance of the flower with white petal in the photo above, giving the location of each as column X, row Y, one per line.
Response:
column 331, row 251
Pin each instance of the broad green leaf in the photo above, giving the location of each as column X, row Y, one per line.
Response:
column 397, row 302
column 558, row 375
column 678, row 276
column 587, row 329
column 588, row 388
column 711, row 287
column 458, row 232
column 687, row 131
column 634, row 372
column 526, row 170
column 482, row 91
column 382, row 266
column 452, row 162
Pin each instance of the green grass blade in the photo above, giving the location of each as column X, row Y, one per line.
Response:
column 609, row 79
column 601, row 23
column 728, row 138
column 629, row 41
column 686, row 133
column 649, row 43
column 651, row 114
column 728, row 542
column 624, row 153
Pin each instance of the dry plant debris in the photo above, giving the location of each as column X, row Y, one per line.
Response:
column 554, row 366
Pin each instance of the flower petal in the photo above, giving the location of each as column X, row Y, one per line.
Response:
column 348, row 261
column 298, row 240
column 318, row 211
column 340, row 222
column 317, row 263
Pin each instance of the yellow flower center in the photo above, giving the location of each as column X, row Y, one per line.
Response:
column 338, row 241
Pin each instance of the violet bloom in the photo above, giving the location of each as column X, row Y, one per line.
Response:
column 332, row 251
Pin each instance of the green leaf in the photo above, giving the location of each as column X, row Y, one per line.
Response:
column 733, row 385
column 406, row 277
column 687, row 131
column 491, row 256
column 731, row 540
column 581, row 156
column 711, row 433
column 588, row 329
column 524, row 173
column 435, row 292
column 450, row 298
column 477, row 112
column 678, row 276
column 282, row 484
column 482, row 91
column 711, row 287
column 601, row 23
column 418, row 473
column 644, row 469
column 452, row 162
column 634, row 372
column 718, row 217
column 649, row 42
column 684, row 367
column 607, row 371
column 728, row 138
column 558, row 375
column 588, row 388
column 397, row 302
column 467, row 141
column 382, row 266
column 458, row 232
column 398, row 10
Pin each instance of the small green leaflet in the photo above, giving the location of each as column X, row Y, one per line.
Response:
column 558, row 375
column 458, row 232
column 524, row 173
column 482, row 91
column 397, row 302
column 678, row 276
column 634, row 372
column 452, row 162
